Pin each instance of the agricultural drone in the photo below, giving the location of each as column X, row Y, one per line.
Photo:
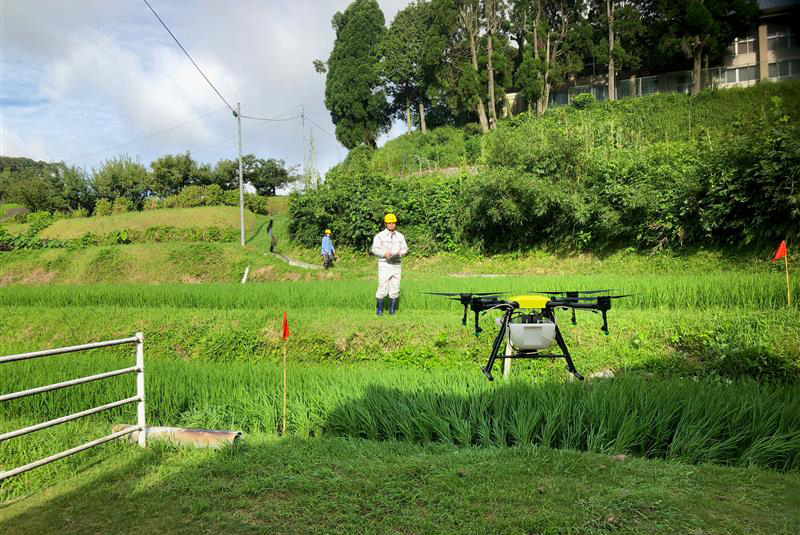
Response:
column 530, row 321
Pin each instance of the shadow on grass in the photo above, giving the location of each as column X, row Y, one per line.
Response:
column 352, row 486
column 255, row 234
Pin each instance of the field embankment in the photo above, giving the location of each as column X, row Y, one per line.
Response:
column 206, row 216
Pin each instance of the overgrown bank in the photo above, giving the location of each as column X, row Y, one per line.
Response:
column 665, row 171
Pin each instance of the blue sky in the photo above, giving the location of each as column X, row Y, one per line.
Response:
column 80, row 76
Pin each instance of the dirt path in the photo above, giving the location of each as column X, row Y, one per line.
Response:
column 293, row 262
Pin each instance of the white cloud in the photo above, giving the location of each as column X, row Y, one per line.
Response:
column 96, row 74
column 11, row 144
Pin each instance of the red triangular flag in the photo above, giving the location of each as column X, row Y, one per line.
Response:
column 285, row 327
column 781, row 252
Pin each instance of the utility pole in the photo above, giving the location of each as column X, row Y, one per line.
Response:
column 238, row 115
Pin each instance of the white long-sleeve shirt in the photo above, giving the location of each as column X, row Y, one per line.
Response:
column 387, row 241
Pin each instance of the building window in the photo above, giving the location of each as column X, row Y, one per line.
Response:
column 747, row 74
column 742, row 74
column 784, row 69
column 782, row 37
column 744, row 45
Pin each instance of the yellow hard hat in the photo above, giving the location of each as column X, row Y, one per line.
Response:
column 390, row 218
column 327, row 231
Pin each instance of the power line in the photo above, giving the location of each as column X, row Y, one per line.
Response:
column 146, row 137
column 318, row 126
column 188, row 56
column 270, row 119
column 252, row 129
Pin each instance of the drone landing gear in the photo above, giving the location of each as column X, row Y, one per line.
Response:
column 534, row 354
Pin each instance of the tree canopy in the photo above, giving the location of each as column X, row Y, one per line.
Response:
column 353, row 90
column 453, row 61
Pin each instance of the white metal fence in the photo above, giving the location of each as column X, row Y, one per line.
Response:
column 138, row 369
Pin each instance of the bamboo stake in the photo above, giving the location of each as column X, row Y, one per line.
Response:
column 284, row 389
column 788, row 292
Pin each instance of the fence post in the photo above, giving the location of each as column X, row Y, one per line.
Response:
column 141, row 421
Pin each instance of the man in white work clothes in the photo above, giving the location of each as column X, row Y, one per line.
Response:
column 390, row 247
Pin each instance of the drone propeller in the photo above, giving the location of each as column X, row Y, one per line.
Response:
column 467, row 299
column 577, row 292
column 600, row 297
column 464, row 294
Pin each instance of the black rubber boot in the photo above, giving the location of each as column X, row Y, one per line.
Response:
column 392, row 305
column 379, row 307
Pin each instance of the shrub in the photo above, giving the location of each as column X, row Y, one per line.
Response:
column 151, row 203
column 38, row 221
column 121, row 205
column 102, row 207
column 582, row 101
column 732, row 352
column 191, row 196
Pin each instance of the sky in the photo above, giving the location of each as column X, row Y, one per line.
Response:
column 78, row 77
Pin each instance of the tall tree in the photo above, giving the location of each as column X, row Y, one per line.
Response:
column 469, row 18
column 353, row 91
column 492, row 27
column 265, row 175
column 620, row 28
column 612, row 91
column 402, row 50
column 697, row 26
column 559, row 36
column 121, row 177
column 170, row 173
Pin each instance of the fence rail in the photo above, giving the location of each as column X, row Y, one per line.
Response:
column 139, row 399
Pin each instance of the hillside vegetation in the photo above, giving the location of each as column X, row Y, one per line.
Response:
column 662, row 171
column 207, row 216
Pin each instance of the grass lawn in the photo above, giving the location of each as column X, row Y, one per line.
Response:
column 205, row 216
column 347, row 486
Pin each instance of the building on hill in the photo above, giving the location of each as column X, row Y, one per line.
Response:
column 770, row 52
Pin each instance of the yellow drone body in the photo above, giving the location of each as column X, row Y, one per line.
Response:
column 530, row 301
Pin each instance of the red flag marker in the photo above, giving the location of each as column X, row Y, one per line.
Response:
column 781, row 252
column 285, row 337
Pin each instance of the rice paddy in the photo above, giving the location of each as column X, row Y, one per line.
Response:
column 705, row 368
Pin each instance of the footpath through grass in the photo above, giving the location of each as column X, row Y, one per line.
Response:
column 348, row 486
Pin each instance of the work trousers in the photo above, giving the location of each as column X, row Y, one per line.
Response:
column 388, row 280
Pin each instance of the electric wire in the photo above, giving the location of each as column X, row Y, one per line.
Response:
column 147, row 136
column 188, row 56
column 318, row 126
column 246, row 130
column 275, row 119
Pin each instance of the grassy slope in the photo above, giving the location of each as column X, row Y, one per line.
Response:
column 347, row 486
column 177, row 262
column 205, row 216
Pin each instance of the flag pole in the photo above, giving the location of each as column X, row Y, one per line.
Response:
column 284, row 388
column 788, row 291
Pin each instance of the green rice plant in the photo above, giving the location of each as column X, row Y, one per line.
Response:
column 738, row 423
column 732, row 289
